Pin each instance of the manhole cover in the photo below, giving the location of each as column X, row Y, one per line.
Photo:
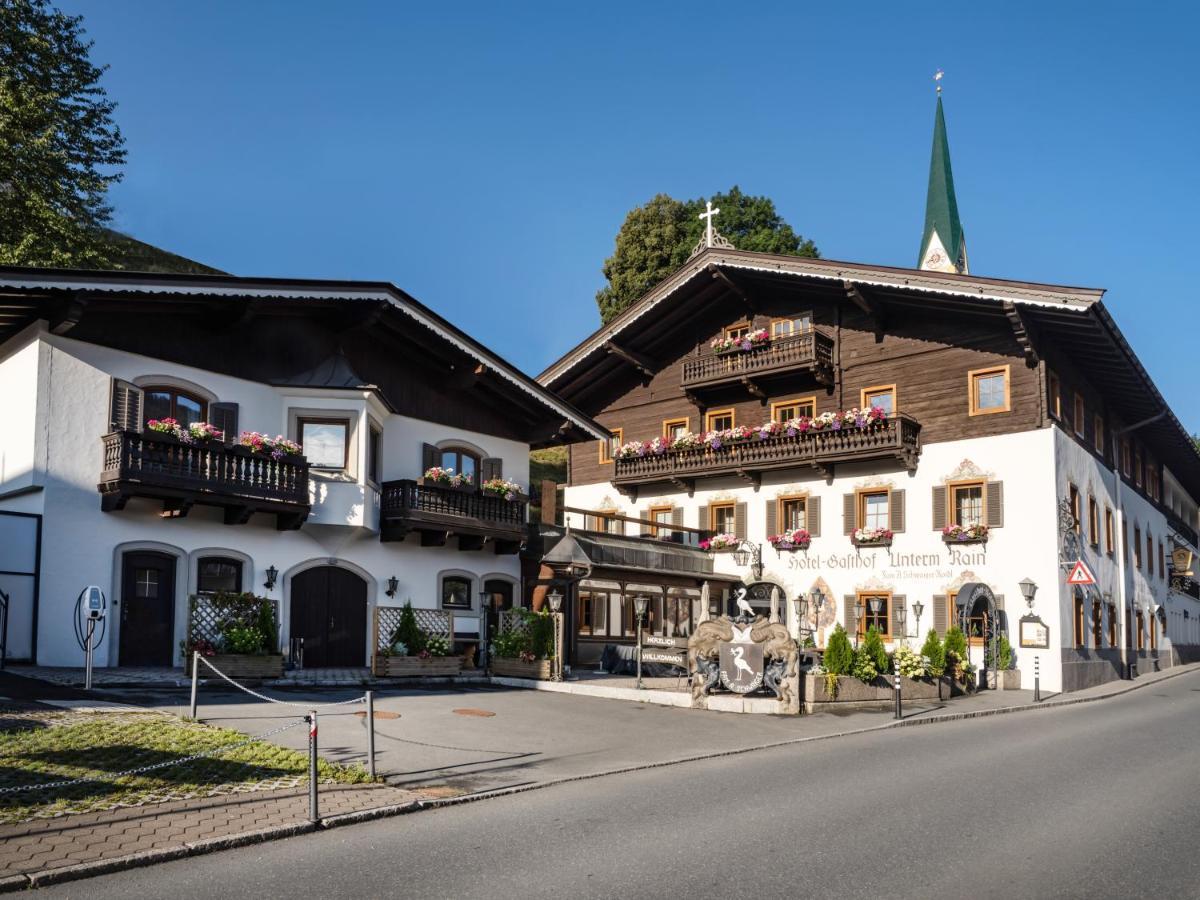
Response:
column 483, row 713
column 379, row 714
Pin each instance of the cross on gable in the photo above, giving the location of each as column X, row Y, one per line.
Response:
column 707, row 215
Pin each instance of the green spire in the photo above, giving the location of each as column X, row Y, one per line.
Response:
column 943, row 245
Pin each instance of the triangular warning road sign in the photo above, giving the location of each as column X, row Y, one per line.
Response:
column 1080, row 574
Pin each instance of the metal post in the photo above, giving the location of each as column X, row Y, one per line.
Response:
column 195, row 679
column 313, row 813
column 371, row 734
column 639, row 654
column 87, row 655
column 899, row 702
column 1037, row 679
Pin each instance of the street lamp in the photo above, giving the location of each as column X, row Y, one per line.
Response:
column 272, row 574
column 555, row 599
column 1028, row 589
column 858, row 616
column 902, row 621
column 875, row 604
column 484, row 600
column 918, row 608
column 393, row 585
column 749, row 553
column 640, row 605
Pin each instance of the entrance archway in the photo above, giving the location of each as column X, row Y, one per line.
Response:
column 329, row 611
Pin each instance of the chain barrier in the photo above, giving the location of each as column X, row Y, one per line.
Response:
column 153, row 766
column 305, row 706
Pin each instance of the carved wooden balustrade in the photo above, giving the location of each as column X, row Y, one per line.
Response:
column 181, row 475
column 898, row 437
column 438, row 511
column 811, row 351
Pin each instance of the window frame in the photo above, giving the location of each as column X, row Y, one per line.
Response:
column 791, row 320
column 1097, row 625
column 860, row 500
column 1137, row 547
column 345, row 422
column 176, row 393
column 1079, row 416
column 951, row 495
column 239, row 564
column 876, row 389
column 1094, row 521
column 1098, row 433
column 778, row 405
column 1078, row 625
column 780, row 503
column 737, row 330
column 973, row 377
column 1054, row 392
column 1110, row 531
column 861, row 599
column 374, row 472
column 1112, row 625
column 604, row 518
column 456, row 576
column 713, row 506
column 659, row 527
column 667, row 424
column 462, row 451
column 1075, row 500
column 592, row 594
column 607, row 447
column 710, row 414
column 1140, row 625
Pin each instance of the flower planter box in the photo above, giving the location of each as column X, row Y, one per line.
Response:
column 881, row 694
column 416, row 667
column 446, row 486
column 790, row 548
column 869, row 544
column 242, row 666
column 1005, row 679
column 956, row 542
column 539, row 669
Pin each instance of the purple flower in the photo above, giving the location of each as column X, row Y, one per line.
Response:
column 791, row 432
column 716, row 444
column 837, row 425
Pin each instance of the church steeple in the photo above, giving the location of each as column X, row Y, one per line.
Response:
column 943, row 245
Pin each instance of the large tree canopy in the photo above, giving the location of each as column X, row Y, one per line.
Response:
column 657, row 238
column 59, row 146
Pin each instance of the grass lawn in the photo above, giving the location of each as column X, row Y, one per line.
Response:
column 41, row 747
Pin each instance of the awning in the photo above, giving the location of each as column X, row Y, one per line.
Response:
column 645, row 556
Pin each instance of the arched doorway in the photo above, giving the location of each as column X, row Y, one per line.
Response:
column 329, row 611
column 147, row 609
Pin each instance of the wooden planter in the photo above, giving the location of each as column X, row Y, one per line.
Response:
column 415, row 667
column 539, row 669
column 242, row 666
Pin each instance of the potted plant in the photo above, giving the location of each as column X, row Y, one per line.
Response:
column 750, row 341
column 412, row 652
column 935, row 655
column 965, row 534
column 502, row 488
column 1003, row 671
column 245, row 644
column 275, row 447
column 525, row 650
column 872, row 537
column 440, row 476
column 720, row 543
column 797, row 539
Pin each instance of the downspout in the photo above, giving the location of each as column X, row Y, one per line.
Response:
column 1126, row 600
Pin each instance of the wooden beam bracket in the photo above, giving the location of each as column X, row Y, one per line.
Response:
column 733, row 286
column 687, row 485
column 642, row 363
column 1023, row 332
column 857, row 295
column 754, row 390
column 750, row 477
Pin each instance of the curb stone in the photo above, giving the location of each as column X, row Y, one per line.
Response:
column 150, row 857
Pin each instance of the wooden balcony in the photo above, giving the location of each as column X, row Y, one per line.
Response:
column 898, row 438
column 437, row 512
column 811, row 352
column 160, row 467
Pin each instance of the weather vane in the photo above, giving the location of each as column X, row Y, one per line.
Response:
column 937, row 78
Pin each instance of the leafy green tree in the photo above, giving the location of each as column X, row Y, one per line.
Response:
column 839, row 655
column 935, row 653
column 956, row 643
column 657, row 238
column 872, row 645
column 61, row 148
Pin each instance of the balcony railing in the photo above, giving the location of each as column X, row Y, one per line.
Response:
column 812, row 351
column 161, row 467
column 898, row 437
column 438, row 511
column 1184, row 530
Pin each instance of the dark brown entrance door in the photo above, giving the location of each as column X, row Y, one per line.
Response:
column 147, row 609
column 329, row 611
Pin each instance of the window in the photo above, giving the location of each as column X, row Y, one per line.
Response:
column 787, row 410
column 1076, row 509
column 462, row 461
column 1137, row 547
column 1054, row 389
column 172, row 403
column 1094, row 522
column 1078, row 620
column 1125, row 540
column 456, row 592
column 873, row 509
column 1110, row 542
column 801, row 324
column 1098, row 433
column 607, row 447
column 675, row 428
column 1079, row 421
column 374, row 441
column 1112, row 625
column 791, row 513
column 652, row 621
column 1141, row 631
column 1153, row 632
column 721, row 517
column 661, row 515
column 883, row 396
column 593, row 612
column 1097, row 625
column 988, row 389
column 967, row 500
column 1126, row 458
column 1137, row 464
column 218, row 574
column 1149, row 555
column 1162, row 562
column 878, row 620
column 718, row 420
column 740, row 330
column 325, row 442
column 602, row 520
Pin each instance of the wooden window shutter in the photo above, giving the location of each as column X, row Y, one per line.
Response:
column 849, row 601
column 812, row 516
column 125, row 406
column 849, row 513
column 647, row 529
column 492, row 467
column 939, row 507
column 739, row 520
column 430, row 457
column 995, row 504
column 772, row 516
column 941, row 614
column 899, row 602
column 225, row 417
column 896, row 511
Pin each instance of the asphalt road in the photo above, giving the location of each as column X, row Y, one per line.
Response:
column 1094, row 800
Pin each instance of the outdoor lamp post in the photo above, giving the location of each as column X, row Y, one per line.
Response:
column 393, row 585
column 800, row 610
column 875, row 604
column 485, row 599
column 902, row 621
column 749, row 553
column 1028, row 589
column 272, row 574
column 858, row 616
column 640, row 605
column 918, row 608
column 555, row 599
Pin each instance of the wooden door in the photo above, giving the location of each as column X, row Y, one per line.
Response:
column 329, row 611
column 147, row 609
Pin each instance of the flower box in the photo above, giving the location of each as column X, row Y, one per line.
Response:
column 877, row 542
column 721, row 543
column 750, row 341
column 972, row 534
column 790, row 541
column 241, row 666
column 880, row 694
column 539, row 669
column 417, row 667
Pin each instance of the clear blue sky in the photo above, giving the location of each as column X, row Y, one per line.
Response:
column 482, row 156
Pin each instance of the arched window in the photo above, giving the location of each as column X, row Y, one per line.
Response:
column 218, row 574
column 462, row 461
column 164, row 401
column 456, row 592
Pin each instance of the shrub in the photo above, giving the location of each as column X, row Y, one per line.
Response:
column 956, row 643
column 531, row 637
column 839, row 655
column 437, row 645
column 1006, row 653
column 408, row 632
column 864, row 668
column 935, row 653
column 909, row 663
column 873, row 645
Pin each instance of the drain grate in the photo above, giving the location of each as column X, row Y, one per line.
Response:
column 379, row 714
column 482, row 713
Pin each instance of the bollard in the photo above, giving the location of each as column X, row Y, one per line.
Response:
column 1037, row 680
column 313, row 813
column 195, row 679
column 371, row 734
column 899, row 702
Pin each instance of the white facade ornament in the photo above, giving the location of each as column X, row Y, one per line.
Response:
column 968, row 470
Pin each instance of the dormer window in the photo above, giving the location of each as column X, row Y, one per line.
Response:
column 164, row 402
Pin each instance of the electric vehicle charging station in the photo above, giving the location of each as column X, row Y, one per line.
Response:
column 91, row 608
